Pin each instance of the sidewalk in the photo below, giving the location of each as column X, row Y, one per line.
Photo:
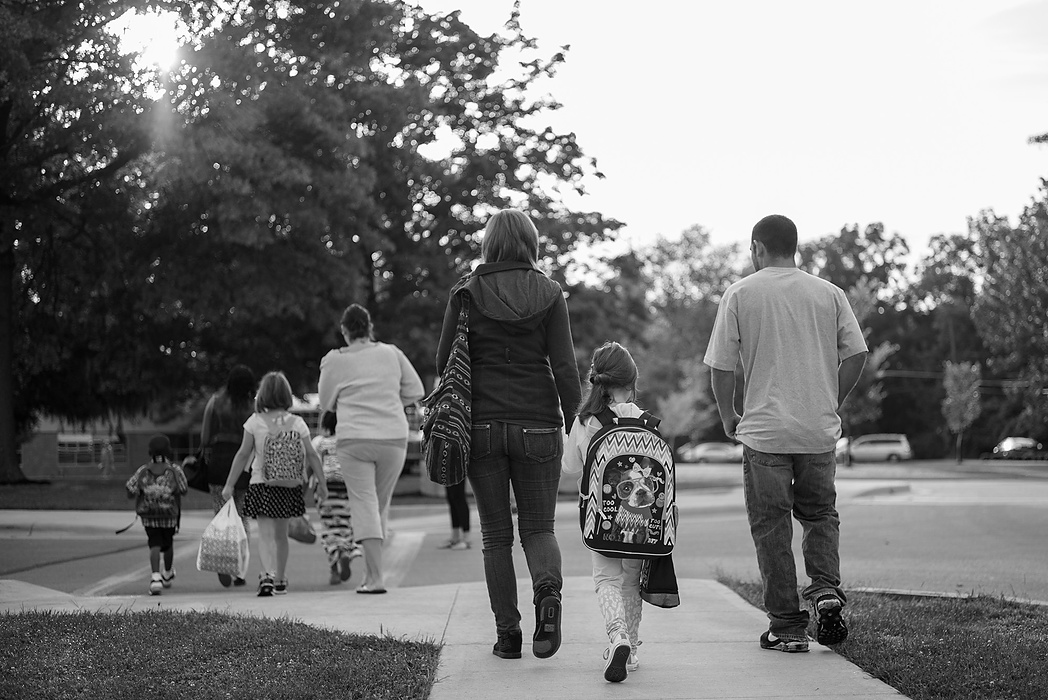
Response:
column 706, row 648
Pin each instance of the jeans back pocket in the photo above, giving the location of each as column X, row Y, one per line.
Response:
column 542, row 444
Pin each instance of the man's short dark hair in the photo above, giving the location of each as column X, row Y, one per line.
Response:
column 778, row 234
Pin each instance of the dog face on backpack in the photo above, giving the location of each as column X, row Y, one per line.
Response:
column 636, row 489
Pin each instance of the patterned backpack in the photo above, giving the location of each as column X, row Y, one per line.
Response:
column 283, row 457
column 627, row 506
column 156, row 495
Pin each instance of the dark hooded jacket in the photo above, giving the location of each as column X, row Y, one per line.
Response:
column 522, row 359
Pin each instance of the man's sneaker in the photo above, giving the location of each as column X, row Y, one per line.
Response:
column 280, row 587
column 156, row 584
column 265, row 585
column 508, row 645
column 634, row 663
column 830, row 627
column 617, row 657
column 546, row 641
column 791, row 646
column 167, row 577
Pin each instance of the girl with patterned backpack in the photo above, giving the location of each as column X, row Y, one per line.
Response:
column 632, row 492
column 277, row 442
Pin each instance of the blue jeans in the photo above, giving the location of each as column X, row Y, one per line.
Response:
column 778, row 486
column 529, row 459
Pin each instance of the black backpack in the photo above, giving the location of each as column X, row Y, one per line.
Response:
column 627, row 501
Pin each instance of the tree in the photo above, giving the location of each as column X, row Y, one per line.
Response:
column 1011, row 311
column 851, row 255
column 961, row 406
column 73, row 117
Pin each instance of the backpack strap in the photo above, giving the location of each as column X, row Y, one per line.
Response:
column 650, row 420
column 606, row 416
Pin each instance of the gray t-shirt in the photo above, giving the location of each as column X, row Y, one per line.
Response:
column 791, row 330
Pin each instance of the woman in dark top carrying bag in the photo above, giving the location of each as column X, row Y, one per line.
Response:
column 525, row 387
column 220, row 437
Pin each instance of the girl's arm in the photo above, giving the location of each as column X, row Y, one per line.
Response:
column 313, row 460
column 575, row 449
column 132, row 484
column 181, row 485
column 247, row 446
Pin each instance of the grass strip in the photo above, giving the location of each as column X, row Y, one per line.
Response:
column 169, row 654
column 972, row 648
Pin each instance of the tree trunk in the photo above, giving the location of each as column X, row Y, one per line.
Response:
column 10, row 470
column 958, row 448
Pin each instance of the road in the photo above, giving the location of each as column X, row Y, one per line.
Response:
column 935, row 527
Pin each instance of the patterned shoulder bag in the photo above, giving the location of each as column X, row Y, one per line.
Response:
column 446, row 431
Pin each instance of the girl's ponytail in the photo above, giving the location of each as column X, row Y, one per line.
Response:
column 612, row 367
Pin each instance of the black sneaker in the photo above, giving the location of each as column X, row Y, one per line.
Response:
column 265, row 585
column 508, row 645
column 280, row 587
column 790, row 646
column 547, row 624
column 830, row 627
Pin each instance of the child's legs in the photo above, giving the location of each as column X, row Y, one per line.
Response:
column 631, row 600
column 336, row 525
column 155, row 538
column 607, row 581
column 167, row 546
column 273, row 545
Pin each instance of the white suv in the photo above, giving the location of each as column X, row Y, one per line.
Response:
column 881, row 447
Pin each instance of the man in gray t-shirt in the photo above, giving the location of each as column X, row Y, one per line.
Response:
column 802, row 352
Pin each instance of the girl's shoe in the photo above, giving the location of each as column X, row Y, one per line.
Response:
column 617, row 657
column 156, row 584
column 167, row 577
column 460, row 545
column 508, row 645
column 344, row 571
column 546, row 641
column 634, row 663
column 335, row 578
column 265, row 585
column 280, row 587
column 450, row 544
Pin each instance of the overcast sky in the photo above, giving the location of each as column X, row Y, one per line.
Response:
column 915, row 113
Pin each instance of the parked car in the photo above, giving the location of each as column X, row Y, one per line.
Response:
column 877, row 447
column 711, row 452
column 1017, row 448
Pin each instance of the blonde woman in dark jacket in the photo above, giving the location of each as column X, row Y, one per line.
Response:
column 525, row 386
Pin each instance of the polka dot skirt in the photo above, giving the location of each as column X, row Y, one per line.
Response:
column 274, row 501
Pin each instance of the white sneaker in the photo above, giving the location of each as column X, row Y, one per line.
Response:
column 634, row 663
column 156, row 584
column 616, row 657
column 167, row 577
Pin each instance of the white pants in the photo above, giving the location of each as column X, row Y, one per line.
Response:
column 617, row 582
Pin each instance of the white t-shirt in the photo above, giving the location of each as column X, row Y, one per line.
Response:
column 578, row 441
column 792, row 330
column 262, row 424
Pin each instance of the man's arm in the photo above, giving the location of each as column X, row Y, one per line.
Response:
column 724, row 391
column 847, row 375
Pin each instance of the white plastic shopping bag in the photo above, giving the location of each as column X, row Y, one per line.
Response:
column 223, row 548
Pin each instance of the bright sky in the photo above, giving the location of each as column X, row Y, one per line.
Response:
column 915, row 113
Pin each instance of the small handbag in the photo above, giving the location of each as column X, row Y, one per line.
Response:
column 446, row 432
column 196, row 472
column 301, row 530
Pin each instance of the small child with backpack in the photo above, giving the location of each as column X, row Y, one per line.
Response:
column 627, row 512
column 158, row 487
column 336, row 524
column 277, row 444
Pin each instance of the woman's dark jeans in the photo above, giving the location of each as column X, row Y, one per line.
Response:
column 529, row 459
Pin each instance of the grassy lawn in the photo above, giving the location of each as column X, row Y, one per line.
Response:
column 943, row 648
column 160, row 655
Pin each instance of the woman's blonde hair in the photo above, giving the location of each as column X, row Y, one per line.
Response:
column 510, row 236
column 274, row 391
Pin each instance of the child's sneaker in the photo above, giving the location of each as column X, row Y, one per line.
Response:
column 830, row 627
column 617, row 656
column 280, row 588
column 265, row 585
column 634, row 661
column 790, row 646
column 156, row 584
column 460, row 545
column 167, row 577
column 344, row 567
column 334, row 579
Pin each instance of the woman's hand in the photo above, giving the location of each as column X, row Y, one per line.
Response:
column 227, row 493
column 322, row 491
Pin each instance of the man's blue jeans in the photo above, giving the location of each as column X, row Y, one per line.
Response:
column 529, row 459
column 779, row 486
